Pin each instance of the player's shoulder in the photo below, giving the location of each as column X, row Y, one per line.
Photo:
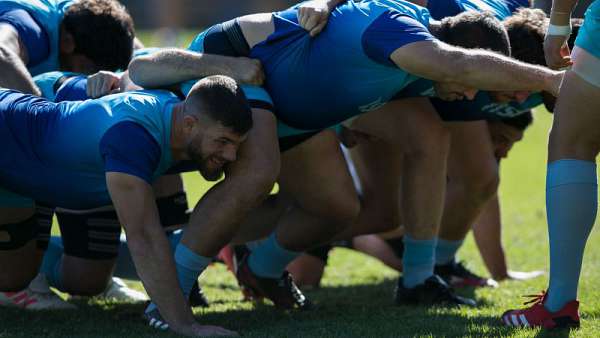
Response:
column 153, row 95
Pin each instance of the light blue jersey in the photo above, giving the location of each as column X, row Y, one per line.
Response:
column 322, row 81
column 48, row 14
column 58, row 153
column 316, row 83
column 589, row 34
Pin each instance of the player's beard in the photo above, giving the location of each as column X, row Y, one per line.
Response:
column 202, row 160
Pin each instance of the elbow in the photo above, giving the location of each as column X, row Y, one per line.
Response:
column 7, row 57
column 136, row 71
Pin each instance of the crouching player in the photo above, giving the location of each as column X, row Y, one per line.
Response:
column 123, row 143
column 42, row 36
column 391, row 62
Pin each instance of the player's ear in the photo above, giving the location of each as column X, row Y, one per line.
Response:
column 189, row 122
column 67, row 42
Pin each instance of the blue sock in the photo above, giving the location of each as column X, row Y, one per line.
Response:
column 52, row 262
column 189, row 266
column 269, row 259
column 125, row 267
column 445, row 251
column 418, row 260
column 571, row 203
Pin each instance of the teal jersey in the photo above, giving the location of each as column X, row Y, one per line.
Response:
column 345, row 71
column 48, row 14
column 55, row 152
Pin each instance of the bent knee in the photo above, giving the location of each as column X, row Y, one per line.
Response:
column 482, row 186
column 87, row 289
column 432, row 144
column 86, row 286
column 568, row 144
column 340, row 213
column 13, row 281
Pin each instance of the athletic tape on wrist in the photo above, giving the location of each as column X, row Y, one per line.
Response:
column 555, row 30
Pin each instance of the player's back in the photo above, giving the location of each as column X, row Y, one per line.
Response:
column 321, row 81
column 52, row 151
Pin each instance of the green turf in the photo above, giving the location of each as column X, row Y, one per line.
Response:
column 356, row 298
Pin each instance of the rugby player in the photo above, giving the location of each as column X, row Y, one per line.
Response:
column 388, row 247
column 40, row 36
column 90, row 238
column 571, row 183
column 123, row 143
column 80, row 36
column 472, row 165
column 366, row 68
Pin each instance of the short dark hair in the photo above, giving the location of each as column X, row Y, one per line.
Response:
column 472, row 29
column 102, row 30
column 220, row 98
column 521, row 121
column 526, row 29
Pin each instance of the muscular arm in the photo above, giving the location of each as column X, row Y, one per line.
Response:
column 135, row 204
column 476, row 68
column 13, row 57
column 556, row 49
column 172, row 66
column 561, row 12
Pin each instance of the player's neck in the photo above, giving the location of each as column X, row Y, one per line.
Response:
column 176, row 139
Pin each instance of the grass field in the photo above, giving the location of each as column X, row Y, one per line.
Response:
column 356, row 297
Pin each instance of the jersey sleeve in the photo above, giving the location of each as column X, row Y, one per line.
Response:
column 128, row 148
column 73, row 89
column 34, row 38
column 390, row 31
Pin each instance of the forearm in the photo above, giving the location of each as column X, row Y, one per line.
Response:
column 489, row 71
column 155, row 266
column 561, row 12
column 15, row 74
column 488, row 236
column 173, row 66
column 126, row 83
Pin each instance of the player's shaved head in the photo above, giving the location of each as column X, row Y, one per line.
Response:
column 474, row 30
column 222, row 100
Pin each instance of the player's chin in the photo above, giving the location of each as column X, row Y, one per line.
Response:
column 212, row 174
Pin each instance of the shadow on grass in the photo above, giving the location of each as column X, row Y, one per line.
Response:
column 340, row 311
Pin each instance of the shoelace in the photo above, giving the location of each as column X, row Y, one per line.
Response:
column 535, row 299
